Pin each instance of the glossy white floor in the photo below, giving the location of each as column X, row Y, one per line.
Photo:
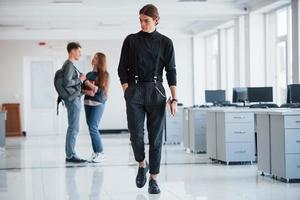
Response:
column 34, row 168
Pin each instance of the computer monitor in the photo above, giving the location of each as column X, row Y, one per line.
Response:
column 260, row 94
column 293, row 93
column 239, row 94
column 214, row 96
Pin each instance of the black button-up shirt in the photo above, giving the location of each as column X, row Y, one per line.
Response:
column 139, row 56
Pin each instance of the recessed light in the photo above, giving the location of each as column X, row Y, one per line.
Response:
column 192, row 0
column 108, row 24
column 11, row 25
column 67, row 3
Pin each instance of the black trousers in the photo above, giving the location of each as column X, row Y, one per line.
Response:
column 146, row 99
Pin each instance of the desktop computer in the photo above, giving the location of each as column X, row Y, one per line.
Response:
column 240, row 95
column 293, row 93
column 215, row 96
column 293, row 96
column 262, row 96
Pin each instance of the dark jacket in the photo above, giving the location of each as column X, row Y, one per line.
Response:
column 71, row 80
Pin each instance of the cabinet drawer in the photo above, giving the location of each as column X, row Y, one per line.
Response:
column 292, row 141
column 200, row 143
column 199, row 115
column 174, row 124
column 239, row 117
column 174, row 133
column 240, row 152
column 179, row 115
column 243, row 132
column 292, row 166
column 201, row 139
column 200, row 129
column 292, row 121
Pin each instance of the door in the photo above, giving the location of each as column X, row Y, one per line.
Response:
column 39, row 101
column 39, row 96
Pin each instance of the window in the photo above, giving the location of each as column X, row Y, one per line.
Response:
column 281, row 16
column 211, row 61
column 278, row 36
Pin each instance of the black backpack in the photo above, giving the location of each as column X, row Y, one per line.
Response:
column 62, row 91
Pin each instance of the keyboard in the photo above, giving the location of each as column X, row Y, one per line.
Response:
column 290, row 105
column 264, row 105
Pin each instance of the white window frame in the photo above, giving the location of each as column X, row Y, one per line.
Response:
column 272, row 40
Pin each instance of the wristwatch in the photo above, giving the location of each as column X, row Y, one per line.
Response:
column 174, row 100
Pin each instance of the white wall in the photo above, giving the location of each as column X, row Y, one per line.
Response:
column 11, row 77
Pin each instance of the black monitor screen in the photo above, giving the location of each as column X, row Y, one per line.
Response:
column 260, row 94
column 239, row 95
column 214, row 96
column 293, row 94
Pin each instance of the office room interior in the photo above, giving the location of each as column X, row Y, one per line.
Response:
column 230, row 131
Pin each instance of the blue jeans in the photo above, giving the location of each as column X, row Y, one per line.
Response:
column 93, row 117
column 73, row 109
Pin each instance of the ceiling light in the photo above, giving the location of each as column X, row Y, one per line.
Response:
column 11, row 25
column 192, row 0
column 108, row 25
column 67, row 3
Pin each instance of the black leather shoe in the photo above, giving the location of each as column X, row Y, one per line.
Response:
column 75, row 160
column 153, row 187
column 141, row 177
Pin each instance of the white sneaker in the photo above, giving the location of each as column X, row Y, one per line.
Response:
column 97, row 158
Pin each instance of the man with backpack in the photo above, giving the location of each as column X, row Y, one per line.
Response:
column 71, row 83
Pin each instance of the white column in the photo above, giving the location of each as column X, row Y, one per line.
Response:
column 271, row 50
column 295, row 39
column 240, row 51
column 257, row 64
column 247, row 51
column 222, row 60
column 199, row 71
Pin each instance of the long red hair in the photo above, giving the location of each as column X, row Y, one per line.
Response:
column 103, row 75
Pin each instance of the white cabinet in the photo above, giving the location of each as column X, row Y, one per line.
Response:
column 211, row 134
column 175, row 126
column 230, row 135
column 186, row 133
column 292, row 141
column 197, row 130
column 263, row 130
column 285, row 145
column 235, row 137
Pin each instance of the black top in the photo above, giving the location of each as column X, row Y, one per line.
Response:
column 99, row 96
column 140, row 51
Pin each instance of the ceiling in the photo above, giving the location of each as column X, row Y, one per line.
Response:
column 89, row 19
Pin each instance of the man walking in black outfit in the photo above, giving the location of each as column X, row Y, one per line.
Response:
column 144, row 56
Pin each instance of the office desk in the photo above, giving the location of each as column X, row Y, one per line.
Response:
column 2, row 128
column 233, row 134
column 263, row 130
column 211, row 134
column 274, row 140
column 285, row 143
